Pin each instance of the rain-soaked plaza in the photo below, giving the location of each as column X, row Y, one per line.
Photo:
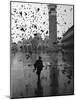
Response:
column 56, row 76
column 41, row 50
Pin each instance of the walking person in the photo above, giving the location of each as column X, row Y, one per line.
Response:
column 38, row 66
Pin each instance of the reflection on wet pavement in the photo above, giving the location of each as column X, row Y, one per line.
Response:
column 39, row 89
column 56, row 77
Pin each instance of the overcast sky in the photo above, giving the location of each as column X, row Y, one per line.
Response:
column 30, row 18
column 64, row 18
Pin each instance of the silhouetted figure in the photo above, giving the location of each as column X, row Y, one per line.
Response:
column 38, row 66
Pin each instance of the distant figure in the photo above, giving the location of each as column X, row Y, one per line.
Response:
column 38, row 66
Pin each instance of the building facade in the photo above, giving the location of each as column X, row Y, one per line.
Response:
column 68, row 39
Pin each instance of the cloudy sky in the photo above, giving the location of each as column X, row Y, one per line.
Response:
column 64, row 18
column 30, row 18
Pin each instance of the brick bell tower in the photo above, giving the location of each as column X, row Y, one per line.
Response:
column 52, row 26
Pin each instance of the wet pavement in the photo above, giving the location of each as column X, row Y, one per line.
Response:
column 56, row 77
